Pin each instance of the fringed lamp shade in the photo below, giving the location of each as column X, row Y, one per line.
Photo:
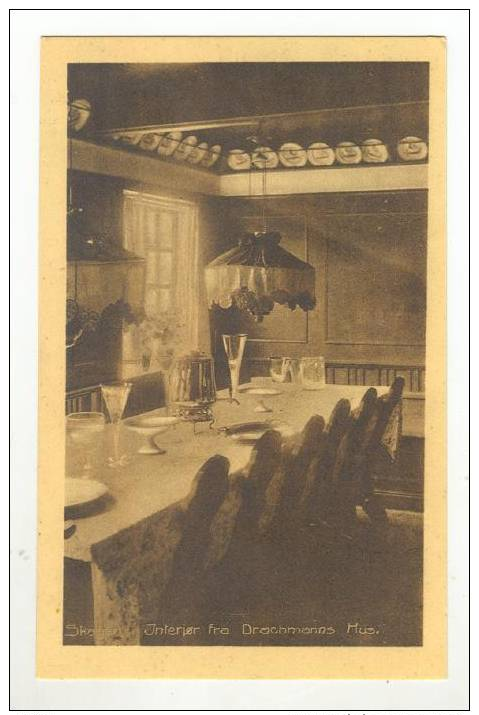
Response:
column 258, row 273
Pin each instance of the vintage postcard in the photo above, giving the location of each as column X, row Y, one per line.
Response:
column 242, row 358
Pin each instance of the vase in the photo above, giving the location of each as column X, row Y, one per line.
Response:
column 234, row 348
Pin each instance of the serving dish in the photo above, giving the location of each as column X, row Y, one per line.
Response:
column 150, row 426
column 261, row 391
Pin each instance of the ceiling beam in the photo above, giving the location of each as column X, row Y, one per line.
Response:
column 98, row 159
column 110, row 161
column 393, row 177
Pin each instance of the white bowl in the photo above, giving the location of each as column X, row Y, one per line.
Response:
column 146, row 424
column 150, row 426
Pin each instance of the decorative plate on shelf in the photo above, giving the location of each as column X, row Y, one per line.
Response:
column 149, row 141
column 239, row 159
column 412, row 149
column 212, row 156
column 185, row 148
column 348, row 153
column 292, row 154
column 320, row 154
column 374, row 151
column 197, row 154
column 265, row 158
column 169, row 143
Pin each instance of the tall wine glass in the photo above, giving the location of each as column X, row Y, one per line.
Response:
column 84, row 429
column 234, row 348
column 115, row 396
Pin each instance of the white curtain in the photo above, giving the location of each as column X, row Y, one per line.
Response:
column 165, row 233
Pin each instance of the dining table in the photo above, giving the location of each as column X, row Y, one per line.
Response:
column 149, row 483
column 104, row 538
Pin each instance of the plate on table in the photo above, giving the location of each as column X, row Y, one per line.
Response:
column 79, row 492
column 250, row 432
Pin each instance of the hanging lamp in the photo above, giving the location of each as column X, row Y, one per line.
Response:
column 258, row 272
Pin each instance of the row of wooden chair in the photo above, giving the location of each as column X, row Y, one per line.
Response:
column 234, row 532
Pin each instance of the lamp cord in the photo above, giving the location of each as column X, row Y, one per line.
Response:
column 264, row 197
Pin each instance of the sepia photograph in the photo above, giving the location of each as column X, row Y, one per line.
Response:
column 242, row 358
column 245, row 353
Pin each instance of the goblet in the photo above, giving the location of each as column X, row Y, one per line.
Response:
column 150, row 426
column 84, row 428
column 115, row 396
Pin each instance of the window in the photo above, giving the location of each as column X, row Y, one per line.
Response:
column 165, row 233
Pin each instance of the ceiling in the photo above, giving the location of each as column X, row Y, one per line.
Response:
column 132, row 95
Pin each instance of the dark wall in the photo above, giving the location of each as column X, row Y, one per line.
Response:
column 369, row 252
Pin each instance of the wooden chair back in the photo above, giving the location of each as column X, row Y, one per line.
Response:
column 137, row 572
column 331, row 485
column 317, row 482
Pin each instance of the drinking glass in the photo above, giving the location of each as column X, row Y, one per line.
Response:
column 234, row 348
column 84, row 429
column 278, row 369
column 313, row 373
column 115, row 396
column 285, row 369
column 293, row 369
